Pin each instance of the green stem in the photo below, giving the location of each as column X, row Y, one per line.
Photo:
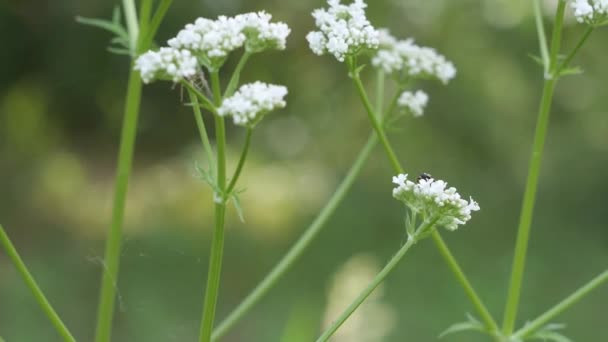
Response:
column 525, row 221
column 155, row 22
column 217, row 245
column 113, row 243
column 443, row 248
column 206, row 103
column 298, row 249
column 200, row 123
column 481, row 309
column 542, row 37
column 545, row 318
column 574, row 51
column 36, row 291
column 378, row 279
column 236, row 75
column 556, row 38
column 132, row 27
column 241, row 163
column 380, row 76
column 376, row 123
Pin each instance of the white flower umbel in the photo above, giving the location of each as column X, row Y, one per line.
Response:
column 167, row 63
column 343, row 30
column 213, row 40
column 210, row 40
column 414, row 102
column 434, row 200
column 252, row 101
column 590, row 11
column 413, row 60
column 260, row 33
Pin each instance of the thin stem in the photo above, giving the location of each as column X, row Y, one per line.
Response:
column 155, row 22
column 239, row 167
column 483, row 312
column 217, row 245
column 206, row 103
column 574, row 51
column 132, row 27
column 527, row 211
column 200, row 123
column 545, row 318
column 300, row 246
column 380, row 76
column 556, row 38
column 236, row 74
column 12, row 253
column 113, row 243
column 443, row 248
column 542, row 37
column 378, row 279
column 376, row 123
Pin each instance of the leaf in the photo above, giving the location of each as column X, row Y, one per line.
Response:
column 472, row 324
column 550, row 336
column 206, row 176
column 549, row 333
column 119, row 51
column 571, row 71
column 537, row 59
column 104, row 25
column 237, row 205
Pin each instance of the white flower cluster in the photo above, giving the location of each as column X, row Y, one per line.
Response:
column 213, row 40
column 343, row 30
column 417, row 61
column 252, row 101
column 590, row 11
column 261, row 33
column 209, row 42
column 167, row 63
column 414, row 102
column 434, row 200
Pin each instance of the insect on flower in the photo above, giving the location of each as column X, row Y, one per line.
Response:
column 423, row 176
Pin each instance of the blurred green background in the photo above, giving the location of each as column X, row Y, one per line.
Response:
column 61, row 98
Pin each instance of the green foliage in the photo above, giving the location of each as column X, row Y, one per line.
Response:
column 119, row 44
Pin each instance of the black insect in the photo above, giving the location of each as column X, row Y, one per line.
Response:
column 424, row 176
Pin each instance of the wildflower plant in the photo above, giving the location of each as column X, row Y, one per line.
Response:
column 194, row 59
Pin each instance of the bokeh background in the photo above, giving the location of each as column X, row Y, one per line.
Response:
column 61, row 99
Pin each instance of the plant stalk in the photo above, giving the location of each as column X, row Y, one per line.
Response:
column 443, row 248
column 378, row 279
column 217, row 244
column 241, row 163
column 525, row 221
column 12, row 253
column 113, row 244
column 300, row 246
column 545, row 318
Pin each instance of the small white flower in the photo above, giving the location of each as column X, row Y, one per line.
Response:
column 434, row 200
column 414, row 102
column 167, row 63
column 252, row 101
column 343, row 30
column 260, row 33
column 413, row 60
column 590, row 11
column 210, row 40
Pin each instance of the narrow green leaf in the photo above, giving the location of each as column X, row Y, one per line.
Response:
column 119, row 51
column 571, row 71
column 461, row 327
column 104, row 25
column 237, row 205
